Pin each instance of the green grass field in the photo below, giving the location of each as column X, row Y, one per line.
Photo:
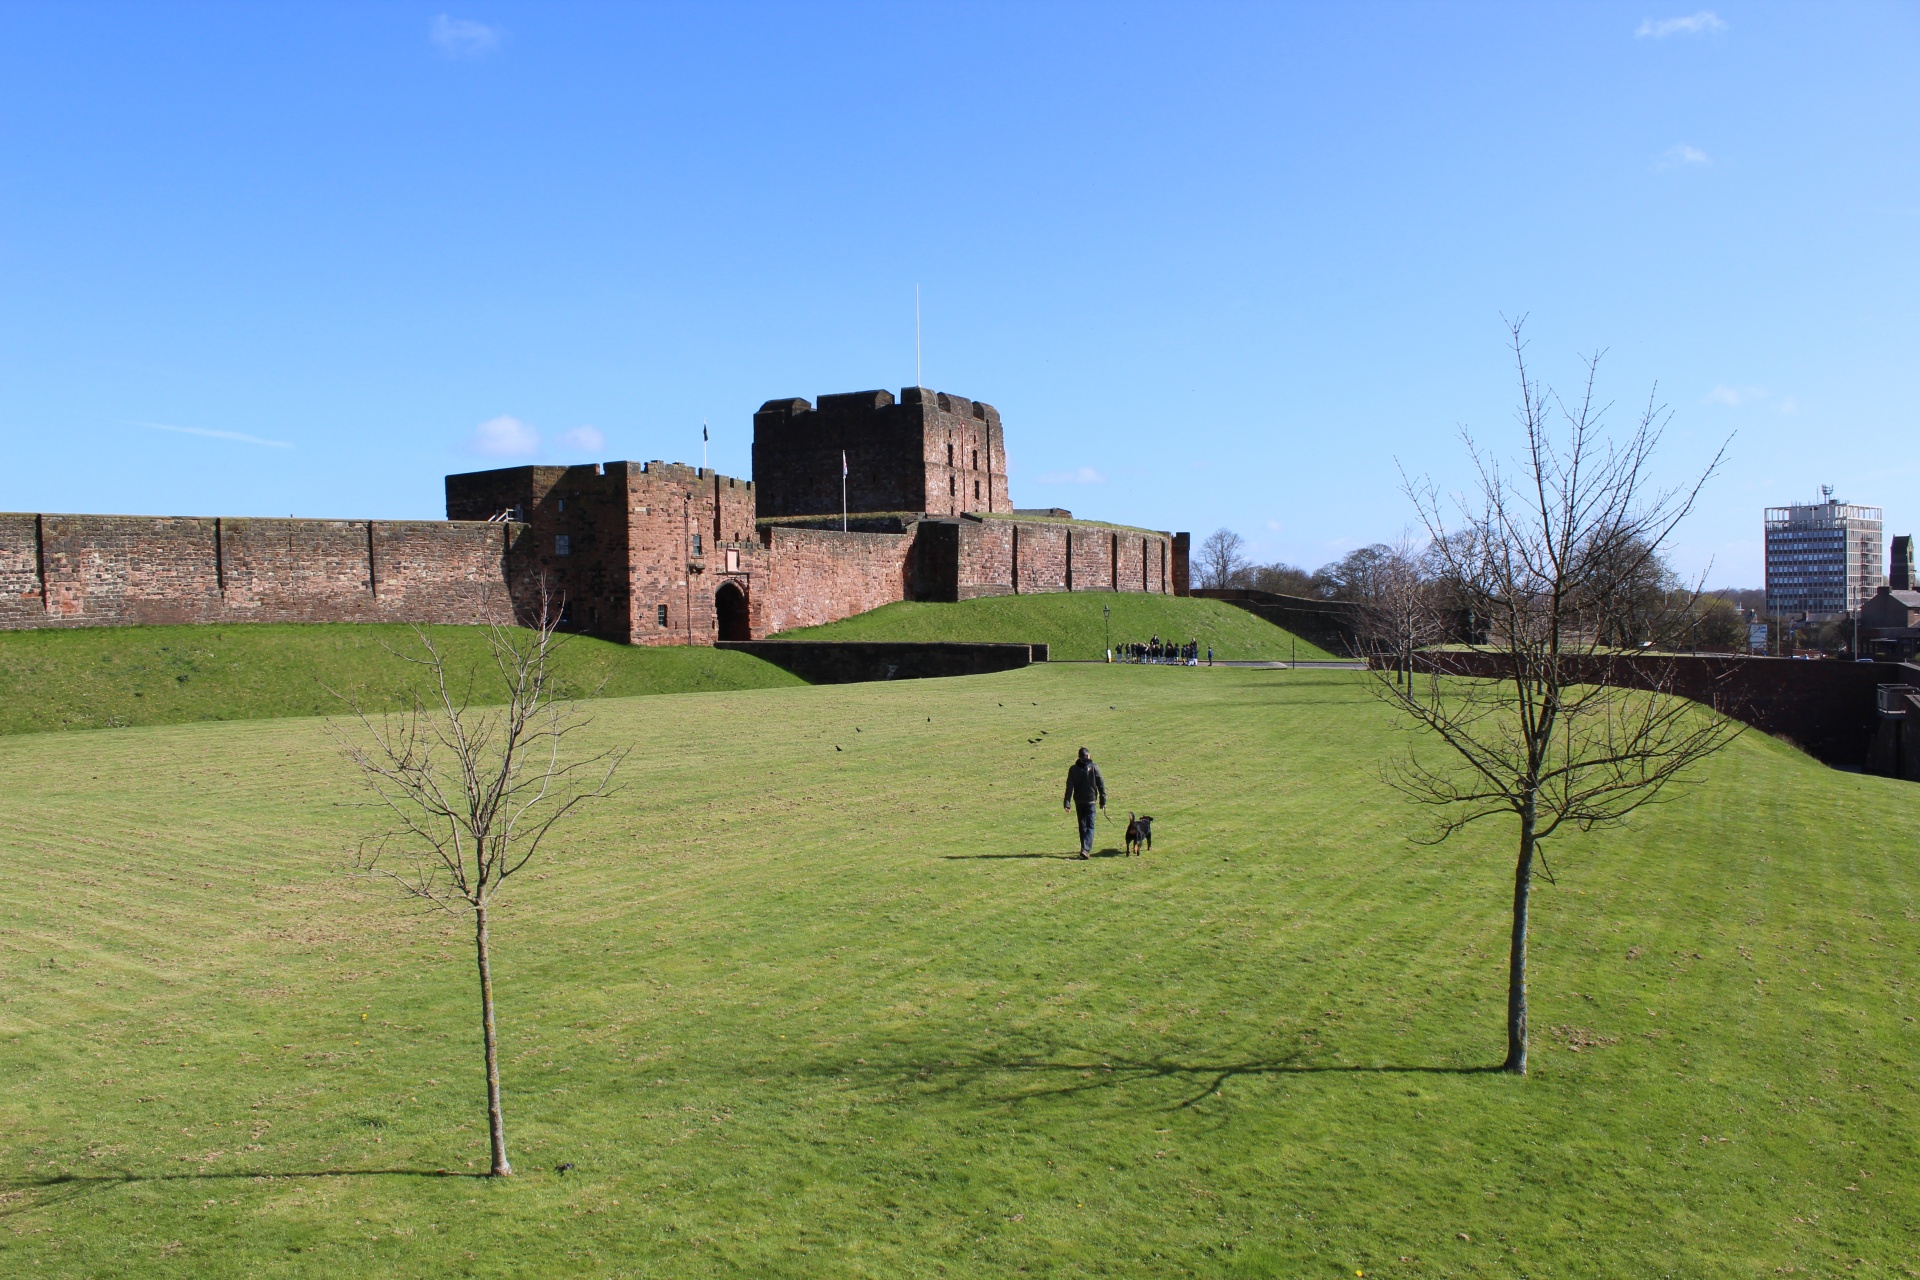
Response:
column 1073, row 625
column 798, row 1011
column 107, row 677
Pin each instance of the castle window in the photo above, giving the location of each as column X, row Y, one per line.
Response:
column 696, row 545
column 949, row 453
column 562, row 545
column 976, row 459
column 953, row 488
column 976, row 491
column 563, row 504
column 660, row 615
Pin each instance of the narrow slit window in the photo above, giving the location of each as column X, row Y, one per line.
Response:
column 660, row 615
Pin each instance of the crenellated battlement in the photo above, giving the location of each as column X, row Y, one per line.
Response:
column 867, row 451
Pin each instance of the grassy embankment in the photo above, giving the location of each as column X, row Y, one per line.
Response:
column 1071, row 622
column 105, row 677
column 799, row 1011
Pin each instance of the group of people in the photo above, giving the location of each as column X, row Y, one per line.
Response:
column 1166, row 653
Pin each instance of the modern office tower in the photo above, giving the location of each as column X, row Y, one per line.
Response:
column 1823, row 558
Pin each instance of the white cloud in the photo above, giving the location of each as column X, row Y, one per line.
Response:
column 584, row 440
column 1748, row 397
column 1681, row 156
column 1705, row 22
column 460, row 38
column 505, row 437
column 211, row 434
column 1084, row 475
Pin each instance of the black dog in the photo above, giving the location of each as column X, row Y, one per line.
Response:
column 1139, row 832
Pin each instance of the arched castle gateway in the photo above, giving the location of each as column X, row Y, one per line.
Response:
column 643, row 553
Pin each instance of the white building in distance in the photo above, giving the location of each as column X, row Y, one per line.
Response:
column 1823, row 558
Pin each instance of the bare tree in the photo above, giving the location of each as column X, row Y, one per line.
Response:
column 1222, row 558
column 1400, row 612
column 1547, row 722
column 473, row 791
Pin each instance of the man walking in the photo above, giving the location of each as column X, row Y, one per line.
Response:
column 1085, row 787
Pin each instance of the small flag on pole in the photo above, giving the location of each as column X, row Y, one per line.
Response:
column 843, row 464
column 703, row 431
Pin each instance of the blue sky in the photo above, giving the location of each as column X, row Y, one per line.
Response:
column 1215, row 264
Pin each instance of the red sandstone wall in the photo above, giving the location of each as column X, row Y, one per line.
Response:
column 668, row 506
column 814, row 576
column 986, row 559
column 998, row 556
column 1043, row 558
column 147, row 570
column 1091, row 567
column 20, row 601
column 1130, row 571
column 965, row 455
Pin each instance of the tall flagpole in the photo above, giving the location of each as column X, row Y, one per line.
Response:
column 916, row 335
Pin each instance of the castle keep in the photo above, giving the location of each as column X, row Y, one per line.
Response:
column 641, row 553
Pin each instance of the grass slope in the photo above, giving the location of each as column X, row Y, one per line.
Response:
column 105, row 677
column 1072, row 623
column 799, row 1011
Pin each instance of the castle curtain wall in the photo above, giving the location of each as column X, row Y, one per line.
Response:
column 83, row 570
column 814, row 576
column 632, row 552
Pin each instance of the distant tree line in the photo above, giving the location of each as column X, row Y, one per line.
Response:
column 1403, row 596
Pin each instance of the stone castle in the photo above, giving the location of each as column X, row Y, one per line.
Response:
column 640, row 553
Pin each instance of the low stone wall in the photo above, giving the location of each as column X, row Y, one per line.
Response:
column 856, row 662
column 1825, row 708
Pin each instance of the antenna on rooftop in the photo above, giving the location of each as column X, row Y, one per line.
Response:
column 1826, row 493
column 916, row 334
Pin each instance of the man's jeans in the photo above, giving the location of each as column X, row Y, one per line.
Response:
column 1087, row 815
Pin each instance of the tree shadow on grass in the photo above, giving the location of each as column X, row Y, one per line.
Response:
column 1055, row 857
column 75, row 1185
column 1199, row 1080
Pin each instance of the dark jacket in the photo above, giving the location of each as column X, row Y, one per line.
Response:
column 1085, row 785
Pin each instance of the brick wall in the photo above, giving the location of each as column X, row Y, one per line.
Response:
column 1825, row 708
column 21, row 602
column 926, row 451
column 685, row 523
column 814, row 576
column 149, row 570
column 998, row 557
column 985, row 565
column 1042, row 561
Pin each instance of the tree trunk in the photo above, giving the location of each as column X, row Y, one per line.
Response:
column 1517, row 951
column 496, row 1123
